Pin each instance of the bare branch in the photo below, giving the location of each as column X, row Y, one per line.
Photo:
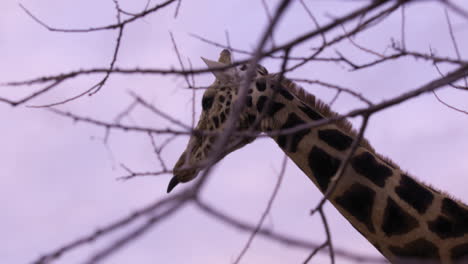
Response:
column 159, row 112
column 54, row 84
column 455, row 8
column 449, row 106
column 317, row 25
column 91, row 29
column 129, row 237
column 328, row 241
column 179, row 3
column 108, row 125
column 131, row 174
column 283, row 239
column 105, row 230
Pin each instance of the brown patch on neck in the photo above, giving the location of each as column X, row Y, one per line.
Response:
column 327, row 112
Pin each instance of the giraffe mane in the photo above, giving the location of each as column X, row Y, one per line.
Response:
column 343, row 124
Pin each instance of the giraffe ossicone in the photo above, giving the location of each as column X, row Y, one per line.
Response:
column 406, row 220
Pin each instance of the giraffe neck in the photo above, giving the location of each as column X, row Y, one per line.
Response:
column 403, row 218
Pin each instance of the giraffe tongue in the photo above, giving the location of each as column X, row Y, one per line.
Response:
column 173, row 183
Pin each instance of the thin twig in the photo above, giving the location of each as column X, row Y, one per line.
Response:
column 453, row 85
column 54, row 83
column 179, row 3
column 328, row 235
column 403, row 27
column 315, row 251
column 158, row 151
column 328, row 240
column 454, row 41
column 158, row 112
column 455, row 8
column 448, row 105
column 267, row 11
column 108, row 125
column 317, row 25
column 174, row 45
column 126, row 111
column 134, row 18
column 367, row 50
column 265, row 212
column 131, row 174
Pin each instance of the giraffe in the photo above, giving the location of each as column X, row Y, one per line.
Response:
column 405, row 219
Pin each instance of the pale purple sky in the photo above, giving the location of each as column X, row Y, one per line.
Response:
column 58, row 180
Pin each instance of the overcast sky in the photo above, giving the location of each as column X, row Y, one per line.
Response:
column 58, row 179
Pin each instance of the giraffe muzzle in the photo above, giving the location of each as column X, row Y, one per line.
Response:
column 180, row 176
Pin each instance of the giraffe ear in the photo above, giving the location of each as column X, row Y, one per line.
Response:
column 223, row 75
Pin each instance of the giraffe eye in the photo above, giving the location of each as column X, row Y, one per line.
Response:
column 207, row 102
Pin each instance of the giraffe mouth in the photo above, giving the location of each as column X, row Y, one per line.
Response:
column 180, row 176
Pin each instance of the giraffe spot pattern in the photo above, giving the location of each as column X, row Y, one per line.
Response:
column 261, row 103
column 310, row 113
column 453, row 221
column 222, row 98
column 261, row 85
column 248, row 101
column 291, row 141
column 323, row 166
column 335, row 139
column 222, row 117
column 273, row 107
column 285, row 93
column 414, row 194
column 396, row 221
column 358, row 201
column 460, row 252
column 417, row 249
column 366, row 165
column 215, row 121
column 251, row 118
column 207, row 102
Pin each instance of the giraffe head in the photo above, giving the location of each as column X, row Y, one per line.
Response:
column 216, row 104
